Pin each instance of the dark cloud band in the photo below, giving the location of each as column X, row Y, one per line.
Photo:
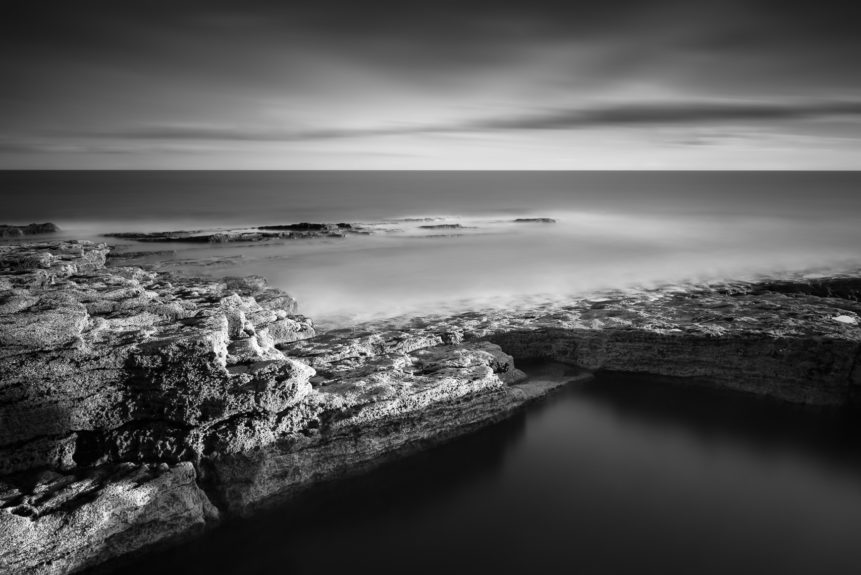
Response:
column 667, row 114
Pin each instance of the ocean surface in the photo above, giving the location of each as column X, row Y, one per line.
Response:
column 614, row 229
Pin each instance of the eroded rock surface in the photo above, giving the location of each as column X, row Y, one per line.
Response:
column 796, row 340
column 134, row 404
column 138, row 407
column 61, row 523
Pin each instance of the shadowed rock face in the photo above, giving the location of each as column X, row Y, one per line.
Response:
column 801, row 370
column 137, row 407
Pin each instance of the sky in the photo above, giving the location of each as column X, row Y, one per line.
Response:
column 468, row 84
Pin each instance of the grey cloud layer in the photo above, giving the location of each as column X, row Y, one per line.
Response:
column 230, row 40
column 206, row 70
column 676, row 114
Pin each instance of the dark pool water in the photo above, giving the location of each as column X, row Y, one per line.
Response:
column 616, row 475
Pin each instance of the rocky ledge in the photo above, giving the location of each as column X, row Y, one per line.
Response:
column 138, row 408
column 795, row 340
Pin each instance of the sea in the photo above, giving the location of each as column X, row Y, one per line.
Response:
column 613, row 230
column 614, row 475
column 617, row 476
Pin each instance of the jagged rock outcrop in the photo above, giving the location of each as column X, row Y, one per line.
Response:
column 62, row 523
column 132, row 401
column 99, row 362
column 388, row 404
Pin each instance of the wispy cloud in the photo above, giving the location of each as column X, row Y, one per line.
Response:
column 691, row 114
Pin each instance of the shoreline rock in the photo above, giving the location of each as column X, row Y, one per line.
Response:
column 799, row 343
column 138, row 407
column 118, row 368
column 66, row 523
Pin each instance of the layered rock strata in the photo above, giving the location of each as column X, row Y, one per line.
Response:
column 795, row 340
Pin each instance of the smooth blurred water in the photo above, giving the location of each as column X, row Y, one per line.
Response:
column 613, row 230
column 615, row 476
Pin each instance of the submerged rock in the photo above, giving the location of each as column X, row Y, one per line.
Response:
column 442, row 227
column 246, row 235
column 309, row 227
column 201, row 237
column 7, row 231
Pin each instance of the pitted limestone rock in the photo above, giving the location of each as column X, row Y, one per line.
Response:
column 124, row 392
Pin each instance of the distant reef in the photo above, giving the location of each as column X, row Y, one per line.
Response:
column 7, row 231
column 442, row 227
column 295, row 231
column 139, row 408
column 298, row 231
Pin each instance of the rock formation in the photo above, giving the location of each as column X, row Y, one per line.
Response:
column 798, row 341
column 7, row 231
column 310, row 227
column 299, row 231
column 442, row 227
column 137, row 408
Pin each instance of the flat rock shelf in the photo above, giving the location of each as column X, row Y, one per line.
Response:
column 138, row 408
